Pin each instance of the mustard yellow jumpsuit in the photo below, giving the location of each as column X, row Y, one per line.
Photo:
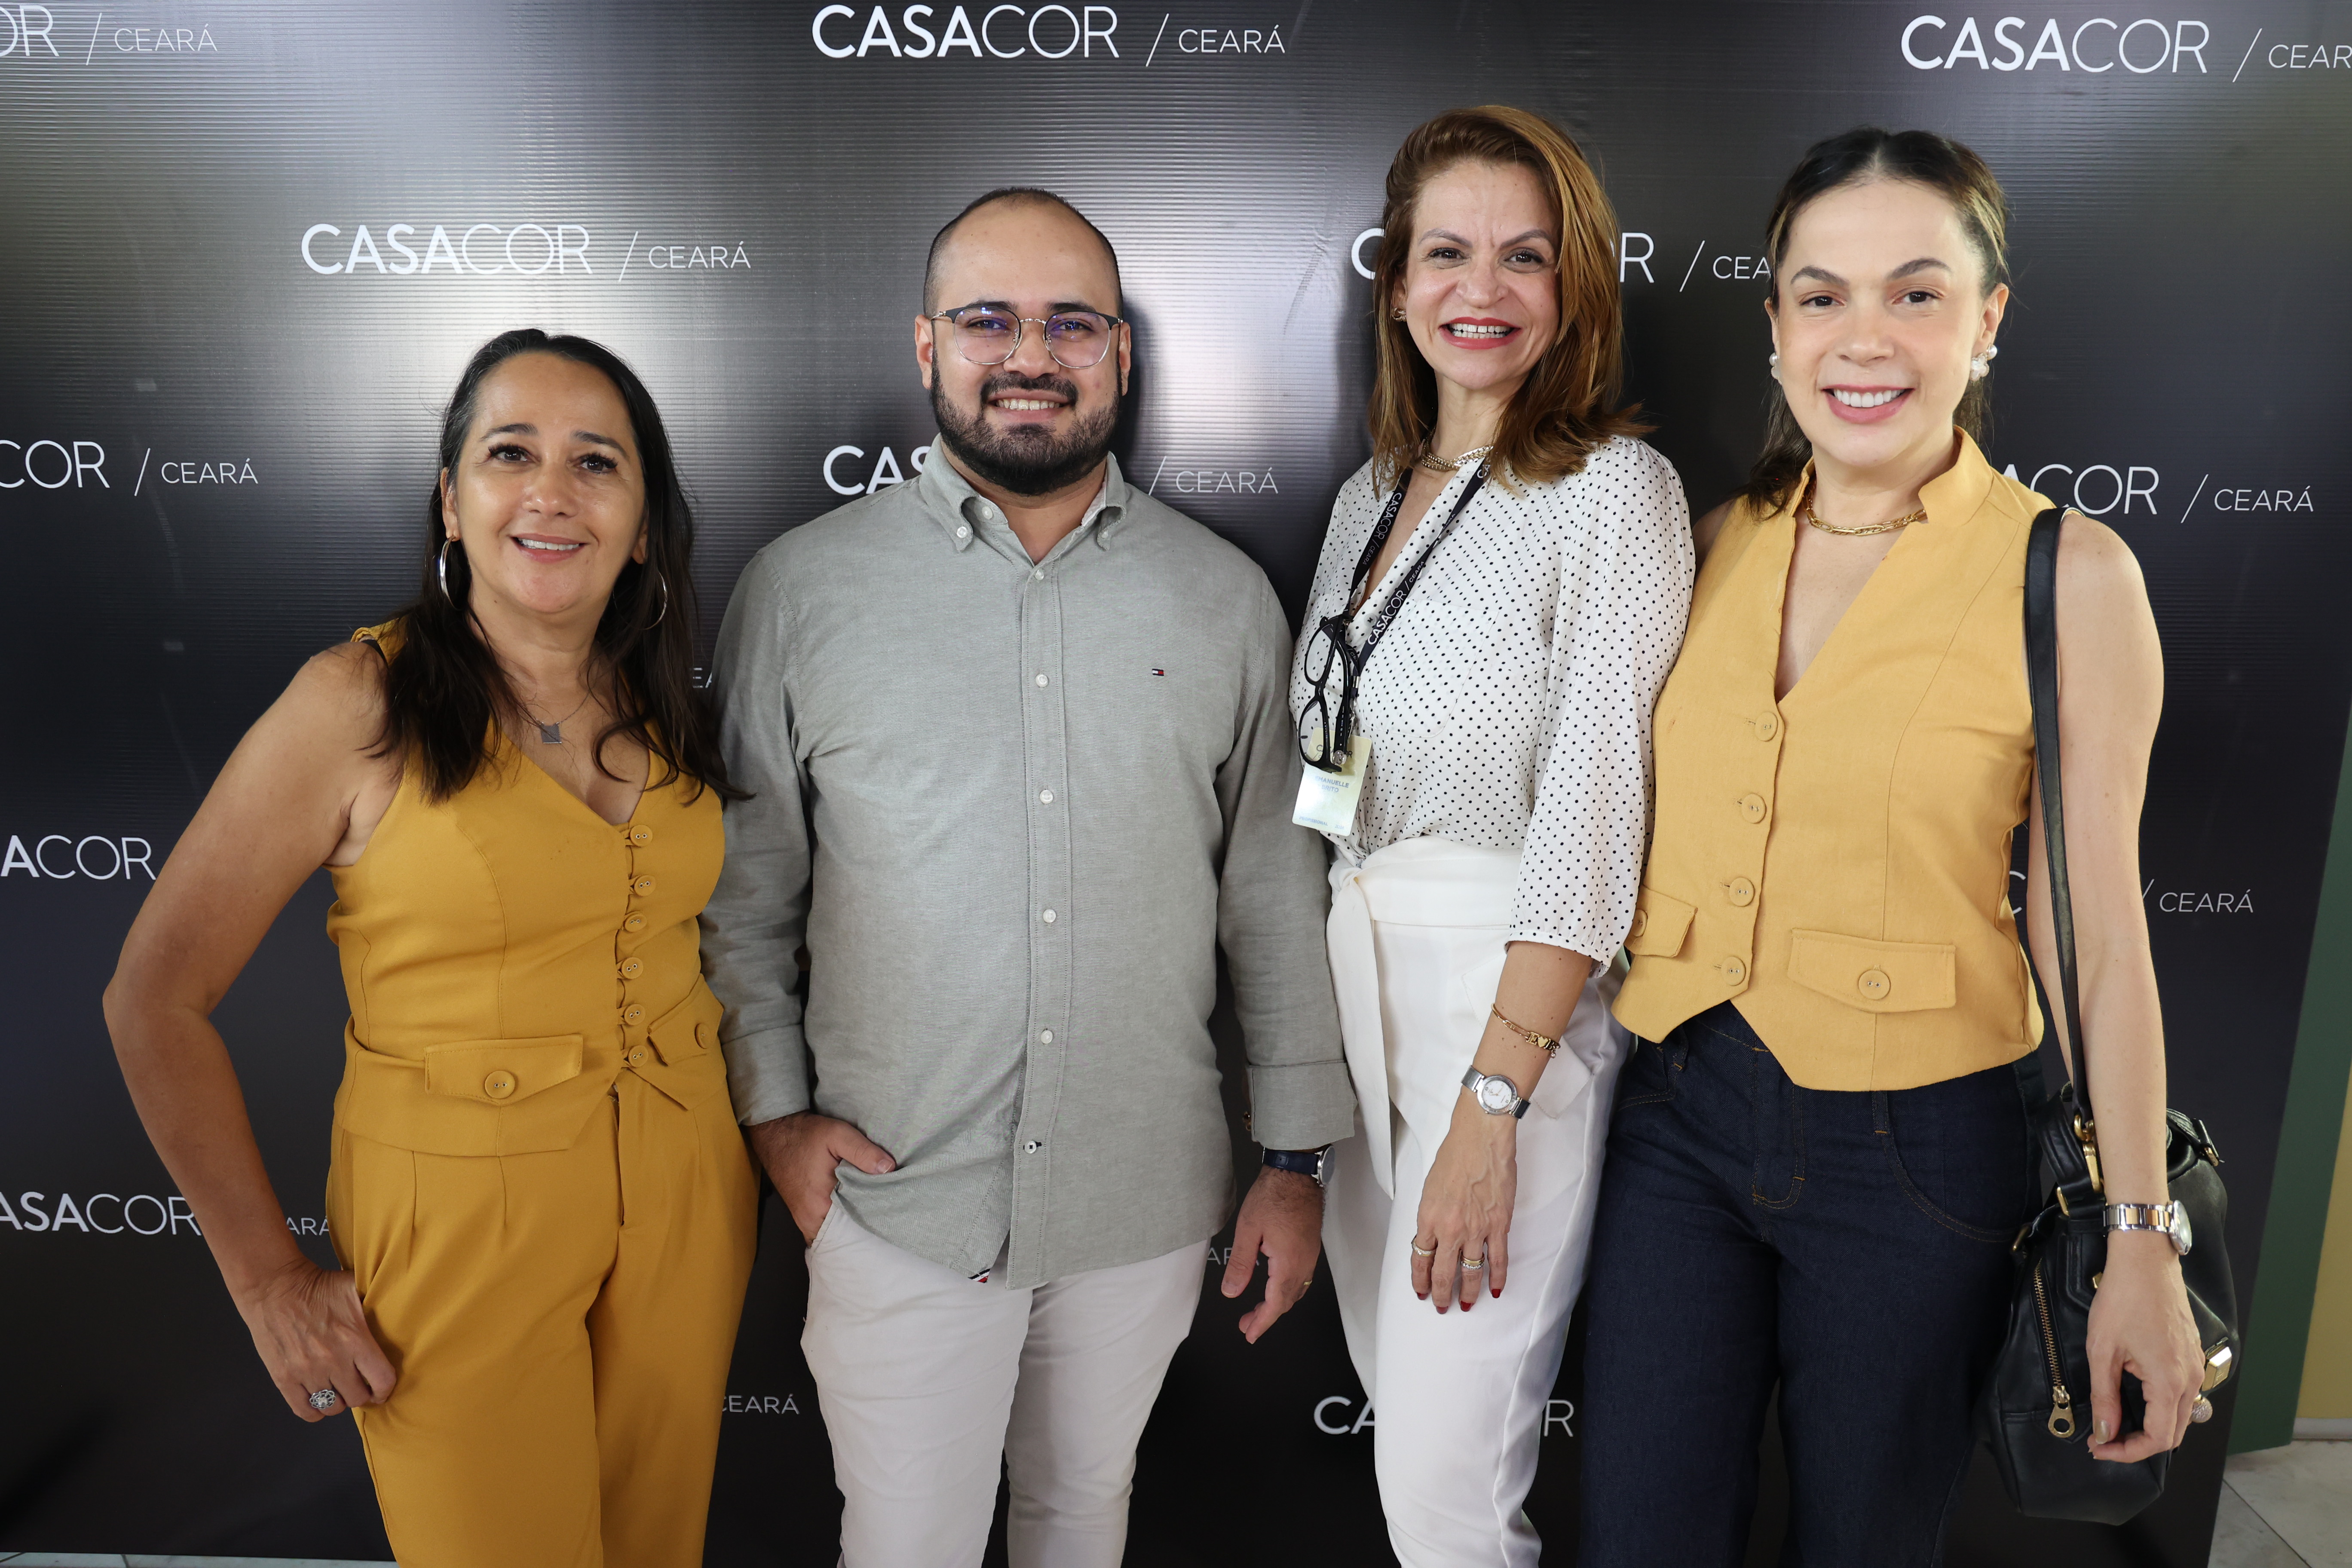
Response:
column 538, row 1181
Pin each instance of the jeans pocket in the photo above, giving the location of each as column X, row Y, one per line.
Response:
column 1959, row 1151
column 1648, row 1075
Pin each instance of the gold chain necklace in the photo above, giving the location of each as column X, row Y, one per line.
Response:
column 1437, row 464
column 1889, row 526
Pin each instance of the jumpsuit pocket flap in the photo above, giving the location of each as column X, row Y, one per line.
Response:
column 501, row 1073
column 689, row 1029
column 1660, row 924
column 471, row 1096
column 1875, row 976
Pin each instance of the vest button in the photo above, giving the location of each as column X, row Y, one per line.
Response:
column 632, row 968
column 499, row 1085
column 1875, row 984
column 1766, row 726
column 633, row 1015
column 1641, row 922
column 1751, row 808
column 1740, row 891
column 641, row 835
column 634, row 923
column 1734, row 971
column 636, row 1058
column 644, row 886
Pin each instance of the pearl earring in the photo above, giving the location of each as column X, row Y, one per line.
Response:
column 1772, row 362
column 1981, row 366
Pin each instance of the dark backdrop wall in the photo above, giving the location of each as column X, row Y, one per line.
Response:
column 247, row 247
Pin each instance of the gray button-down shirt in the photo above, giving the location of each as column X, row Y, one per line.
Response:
column 1013, row 808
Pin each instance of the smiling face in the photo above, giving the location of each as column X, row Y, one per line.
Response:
column 1879, row 306
column 1481, row 285
column 1031, row 424
column 549, row 496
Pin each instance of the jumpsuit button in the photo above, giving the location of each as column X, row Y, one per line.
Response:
column 636, row 1059
column 1734, row 971
column 641, row 835
column 1766, row 726
column 1875, row 984
column 634, row 923
column 642, row 886
column 632, row 968
column 1751, row 808
column 1740, row 891
column 499, row 1085
column 633, row 1015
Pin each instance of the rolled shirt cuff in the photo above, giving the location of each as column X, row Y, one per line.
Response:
column 767, row 1074
column 1301, row 1105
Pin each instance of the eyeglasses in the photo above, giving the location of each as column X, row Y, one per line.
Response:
column 1327, row 719
column 985, row 335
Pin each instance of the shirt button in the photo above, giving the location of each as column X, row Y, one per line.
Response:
column 1875, row 984
column 1740, row 891
column 634, row 923
column 642, row 886
column 631, row 969
column 1031, row 1147
column 1045, row 796
column 633, row 1015
column 1038, row 574
column 1041, row 678
column 1045, row 1036
column 1734, row 971
column 1766, row 726
column 1048, row 917
column 641, row 836
column 636, row 1059
column 985, row 510
column 1751, row 806
column 499, row 1085
column 963, row 531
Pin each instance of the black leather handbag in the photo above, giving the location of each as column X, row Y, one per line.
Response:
column 2035, row 1413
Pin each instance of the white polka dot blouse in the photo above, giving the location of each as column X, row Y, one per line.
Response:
column 1509, row 703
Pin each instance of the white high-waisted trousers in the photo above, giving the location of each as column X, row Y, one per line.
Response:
column 1417, row 937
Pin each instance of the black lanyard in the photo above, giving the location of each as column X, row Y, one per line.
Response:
column 1340, row 728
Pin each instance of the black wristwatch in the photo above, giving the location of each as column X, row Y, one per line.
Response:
column 1311, row 1162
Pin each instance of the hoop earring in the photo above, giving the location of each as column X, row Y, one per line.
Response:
column 663, row 614
column 441, row 569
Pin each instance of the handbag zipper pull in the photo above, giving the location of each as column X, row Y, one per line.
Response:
column 2061, row 1412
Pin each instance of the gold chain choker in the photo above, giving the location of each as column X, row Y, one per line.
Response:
column 1437, row 464
column 1889, row 526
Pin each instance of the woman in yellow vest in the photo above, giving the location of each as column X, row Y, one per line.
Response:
column 542, row 1206
column 1819, row 1157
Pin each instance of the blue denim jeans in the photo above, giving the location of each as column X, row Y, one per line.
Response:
column 1851, row 1248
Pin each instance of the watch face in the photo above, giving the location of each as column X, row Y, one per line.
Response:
column 1495, row 1095
column 2182, row 1235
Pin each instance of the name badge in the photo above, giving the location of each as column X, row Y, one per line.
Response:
column 1327, row 801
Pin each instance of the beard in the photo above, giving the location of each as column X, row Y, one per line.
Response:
column 1028, row 459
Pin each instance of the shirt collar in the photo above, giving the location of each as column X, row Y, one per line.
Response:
column 962, row 512
column 1951, row 497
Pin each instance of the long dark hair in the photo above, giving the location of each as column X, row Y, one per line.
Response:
column 1867, row 153
column 443, row 689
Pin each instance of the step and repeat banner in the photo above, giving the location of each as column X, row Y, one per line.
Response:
column 247, row 247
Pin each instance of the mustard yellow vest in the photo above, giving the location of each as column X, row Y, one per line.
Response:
column 508, row 955
column 1836, row 863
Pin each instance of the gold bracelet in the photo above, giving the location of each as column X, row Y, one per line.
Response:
column 1544, row 1043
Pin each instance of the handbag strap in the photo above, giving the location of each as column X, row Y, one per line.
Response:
column 2042, row 681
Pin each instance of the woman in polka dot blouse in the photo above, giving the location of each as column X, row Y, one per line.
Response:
column 1500, row 597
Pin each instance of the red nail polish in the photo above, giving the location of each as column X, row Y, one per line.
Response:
column 1498, row 1292
column 1422, row 1294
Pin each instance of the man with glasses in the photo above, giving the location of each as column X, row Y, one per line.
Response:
column 1022, row 762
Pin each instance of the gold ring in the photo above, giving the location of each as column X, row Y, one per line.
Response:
column 1468, row 1264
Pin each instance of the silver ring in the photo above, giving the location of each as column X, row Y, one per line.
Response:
column 1468, row 1264
column 1421, row 1251
column 324, row 1399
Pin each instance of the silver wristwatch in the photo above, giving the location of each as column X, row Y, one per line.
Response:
column 1495, row 1095
column 2171, row 1218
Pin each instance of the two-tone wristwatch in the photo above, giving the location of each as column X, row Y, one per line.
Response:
column 2171, row 1218
column 1495, row 1095
column 1314, row 1163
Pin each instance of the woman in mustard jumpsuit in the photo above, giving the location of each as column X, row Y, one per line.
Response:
column 543, row 1209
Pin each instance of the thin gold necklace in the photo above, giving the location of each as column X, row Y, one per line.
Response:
column 1437, row 464
column 1889, row 526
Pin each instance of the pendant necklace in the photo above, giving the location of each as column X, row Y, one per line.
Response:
column 1889, row 526
column 552, row 734
column 1437, row 464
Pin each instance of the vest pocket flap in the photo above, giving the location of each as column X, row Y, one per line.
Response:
column 1875, row 976
column 1660, row 924
column 500, row 1072
column 689, row 1029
